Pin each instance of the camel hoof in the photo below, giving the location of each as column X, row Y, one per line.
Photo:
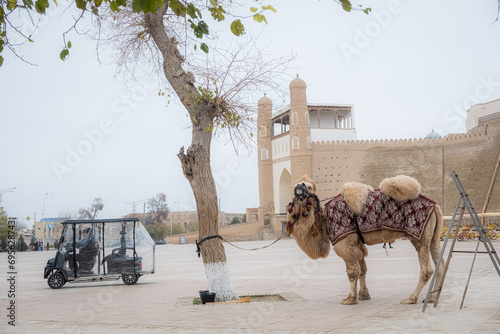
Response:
column 432, row 299
column 364, row 295
column 408, row 301
column 349, row 301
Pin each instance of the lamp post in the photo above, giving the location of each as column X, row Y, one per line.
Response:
column 6, row 190
column 171, row 216
column 43, row 217
column 134, row 204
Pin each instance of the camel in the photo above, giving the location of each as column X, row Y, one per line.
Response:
column 314, row 227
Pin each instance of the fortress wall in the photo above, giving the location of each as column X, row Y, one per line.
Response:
column 422, row 163
column 473, row 156
column 366, row 144
column 474, row 161
column 332, row 168
column 235, row 232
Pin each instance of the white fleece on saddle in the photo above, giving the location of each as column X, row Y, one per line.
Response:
column 355, row 195
column 401, row 188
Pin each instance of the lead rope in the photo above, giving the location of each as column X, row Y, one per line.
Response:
column 222, row 238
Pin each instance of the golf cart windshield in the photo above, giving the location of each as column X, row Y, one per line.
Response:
column 104, row 247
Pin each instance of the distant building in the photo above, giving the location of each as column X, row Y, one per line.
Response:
column 479, row 115
column 49, row 229
column 433, row 135
column 183, row 218
column 321, row 140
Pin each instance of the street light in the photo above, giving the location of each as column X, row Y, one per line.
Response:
column 171, row 216
column 134, row 204
column 43, row 217
column 6, row 190
column 44, row 198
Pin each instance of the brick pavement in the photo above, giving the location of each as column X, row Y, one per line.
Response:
column 157, row 303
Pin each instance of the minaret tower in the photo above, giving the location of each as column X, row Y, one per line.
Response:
column 264, row 147
column 300, row 130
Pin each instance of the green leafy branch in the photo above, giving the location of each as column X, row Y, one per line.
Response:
column 9, row 7
column 237, row 27
column 347, row 6
column 258, row 16
column 187, row 9
column 65, row 51
column 223, row 115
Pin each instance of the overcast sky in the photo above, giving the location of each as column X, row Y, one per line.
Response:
column 71, row 131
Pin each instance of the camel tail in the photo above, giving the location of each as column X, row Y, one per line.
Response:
column 439, row 224
column 436, row 243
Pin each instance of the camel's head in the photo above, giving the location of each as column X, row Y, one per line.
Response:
column 301, row 205
column 304, row 187
column 307, row 220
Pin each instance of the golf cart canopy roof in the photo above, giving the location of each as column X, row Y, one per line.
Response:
column 90, row 221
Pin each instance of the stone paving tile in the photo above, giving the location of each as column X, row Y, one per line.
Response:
column 152, row 305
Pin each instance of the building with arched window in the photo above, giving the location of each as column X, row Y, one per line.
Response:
column 320, row 140
column 286, row 138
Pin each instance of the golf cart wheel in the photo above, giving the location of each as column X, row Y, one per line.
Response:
column 56, row 280
column 130, row 279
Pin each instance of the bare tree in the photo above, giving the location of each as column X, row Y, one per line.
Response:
column 67, row 214
column 91, row 213
column 218, row 90
column 158, row 208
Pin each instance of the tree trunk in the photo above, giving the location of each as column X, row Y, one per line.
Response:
column 196, row 161
column 196, row 168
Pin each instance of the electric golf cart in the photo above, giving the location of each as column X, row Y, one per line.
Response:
column 101, row 249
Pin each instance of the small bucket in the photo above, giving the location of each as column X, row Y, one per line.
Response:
column 207, row 297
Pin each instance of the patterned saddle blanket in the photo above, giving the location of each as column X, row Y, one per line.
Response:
column 380, row 212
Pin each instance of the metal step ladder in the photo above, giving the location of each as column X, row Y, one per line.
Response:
column 483, row 238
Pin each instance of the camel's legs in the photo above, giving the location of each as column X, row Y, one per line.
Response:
column 353, row 252
column 435, row 252
column 353, row 272
column 425, row 270
column 363, row 290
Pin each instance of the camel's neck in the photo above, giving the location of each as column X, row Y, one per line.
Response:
column 311, row 234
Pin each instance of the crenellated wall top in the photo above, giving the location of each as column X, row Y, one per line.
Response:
column 447, row 140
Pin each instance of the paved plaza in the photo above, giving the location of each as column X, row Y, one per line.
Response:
column 162, row 303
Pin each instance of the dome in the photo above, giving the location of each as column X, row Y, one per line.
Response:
column 298, row 83
column 265, row 101
column 433, row 135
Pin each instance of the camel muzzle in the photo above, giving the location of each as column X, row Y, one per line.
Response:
column 300, row 191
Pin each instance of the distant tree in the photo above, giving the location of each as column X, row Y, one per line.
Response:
column 56, row 244
column 235, row 220
column 244, row 220
column 32, row 241
column 3, row 228
column 67, row 214
column 91, row 213
column 163, row 230
column 153, row 232
column 22, row 246
column 158, row 231
column 177, row 229
column 192, row 226
column 158, row 208
column 20, row 225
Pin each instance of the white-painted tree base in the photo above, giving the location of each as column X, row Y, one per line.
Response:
column 219, row 281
